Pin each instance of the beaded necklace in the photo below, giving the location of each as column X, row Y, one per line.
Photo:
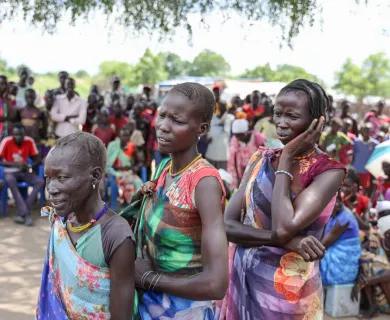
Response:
column 89, row 224
column 181, row 171
column 305, row 157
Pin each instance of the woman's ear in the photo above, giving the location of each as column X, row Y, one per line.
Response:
column 203, row 129
column 97, row 175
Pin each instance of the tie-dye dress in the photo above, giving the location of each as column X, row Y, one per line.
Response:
column 171, row 229
column 269, row 282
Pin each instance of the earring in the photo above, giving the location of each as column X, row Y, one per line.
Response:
column 198, row 138
column 93, row 186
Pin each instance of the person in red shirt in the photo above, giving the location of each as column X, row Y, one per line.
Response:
column 14, row 152
column 117, row 119
column 103, row 130
column 255, row 110
column 354, row 200
column 7, row 108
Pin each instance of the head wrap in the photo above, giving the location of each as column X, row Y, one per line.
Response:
column 240, row 126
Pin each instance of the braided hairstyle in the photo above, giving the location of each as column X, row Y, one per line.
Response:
column 318, row 101
column 91, row 150
column 202, row 97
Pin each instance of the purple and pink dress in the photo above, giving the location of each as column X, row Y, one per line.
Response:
column 269, row 282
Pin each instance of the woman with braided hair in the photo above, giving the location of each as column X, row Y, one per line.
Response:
column 182, row 261
column 276, row 218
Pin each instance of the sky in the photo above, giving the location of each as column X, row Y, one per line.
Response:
column 347, row 30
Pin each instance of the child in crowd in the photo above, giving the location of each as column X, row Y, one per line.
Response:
column 103, row 130
column 92, row 113
column 117, row 119
column 362, row 150
column 33, row 119
column 331, row 142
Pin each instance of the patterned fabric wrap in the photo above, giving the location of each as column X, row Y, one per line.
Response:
column 71, row 288
column 270, row 282
column 373, row 264
column 171, row 229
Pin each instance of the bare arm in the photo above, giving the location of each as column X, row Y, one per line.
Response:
column 82, row 116
column 246, row 236
column 334, row 233
column 122, row 281
column 289, row 218
column 212, row 282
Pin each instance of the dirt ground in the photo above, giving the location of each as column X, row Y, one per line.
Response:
column 22, row 250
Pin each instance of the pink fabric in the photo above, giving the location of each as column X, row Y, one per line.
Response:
column 239, row 156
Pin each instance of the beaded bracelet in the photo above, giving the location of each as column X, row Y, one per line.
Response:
column 285, row 172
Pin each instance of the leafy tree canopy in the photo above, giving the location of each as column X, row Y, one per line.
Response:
column 164, row 16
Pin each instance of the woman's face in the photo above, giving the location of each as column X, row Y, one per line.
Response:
column 178, row 124
column 291, row 115
column 68, row 180
column 124, row 136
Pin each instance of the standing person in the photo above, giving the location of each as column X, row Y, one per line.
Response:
column 218, row 141
column 181, row 226
column 124, row 165
column 266, row 127
column 217, row 89
column 14, row 152
column 334, row 140
column 340, row 264
column 255, row 109
column 22, row 88
column 94, row 90
column 7, row 108
column 278, row 214
column 83, row 273
column 345, row 152
column 62, row 77
column 116, row 89
column 376, row 117
column 104, row 130
column 362, row 150
column 31, row 81
column 130, row 103
column 242, row 146
column 69, row 111
column 117, row 119
column 92, row 112
column 142, row 124
column 33, row 119
column 346, row 114
column 136, row 136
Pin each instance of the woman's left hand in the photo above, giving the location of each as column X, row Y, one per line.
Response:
column 306, row 140
column 142, row 265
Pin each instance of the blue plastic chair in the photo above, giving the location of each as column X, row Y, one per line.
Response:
column 114, row 192
column 23, row 186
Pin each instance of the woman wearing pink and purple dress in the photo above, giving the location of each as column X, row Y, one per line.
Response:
column 276, row 218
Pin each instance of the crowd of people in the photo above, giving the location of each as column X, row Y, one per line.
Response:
column 290, row 171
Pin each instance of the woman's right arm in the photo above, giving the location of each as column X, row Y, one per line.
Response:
column 246, row 236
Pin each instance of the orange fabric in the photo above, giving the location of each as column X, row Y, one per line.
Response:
column 130, row 149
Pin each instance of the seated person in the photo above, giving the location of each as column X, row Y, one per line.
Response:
column 123, row 164
column 355, row 201
column 374, row 276
column 15, row 152
column 341, row 238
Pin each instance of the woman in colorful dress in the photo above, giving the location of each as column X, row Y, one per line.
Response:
column 83, row 275
column 182, row 261
column 123, row 164
column 278, row 214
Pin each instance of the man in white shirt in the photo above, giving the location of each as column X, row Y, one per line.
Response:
column 69, row 111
